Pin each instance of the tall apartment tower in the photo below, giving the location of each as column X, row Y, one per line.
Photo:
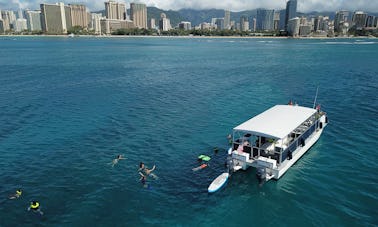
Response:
column 254, row 23
column 276, row 20
column 5, row 21
column 341, row 18
column 359, row 19
column 164, row 22
column 138, row 14
column 53, row 18
column 115, row 10
column 152, row 23
column 265, row 19
column 227, row 19
column 33, row 20
column 244, row 24
column 291, row 11
column 79, row 15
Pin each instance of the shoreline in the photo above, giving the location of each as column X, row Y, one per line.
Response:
column 189, row 37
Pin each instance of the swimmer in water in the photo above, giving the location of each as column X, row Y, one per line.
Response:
column 148, row 172
column 35, row 207
column 115, row 161
column 143, row 180
column 16, row 195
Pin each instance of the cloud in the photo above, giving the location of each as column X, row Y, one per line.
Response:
column 233, row 5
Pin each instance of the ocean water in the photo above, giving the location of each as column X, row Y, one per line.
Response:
column 68, row 106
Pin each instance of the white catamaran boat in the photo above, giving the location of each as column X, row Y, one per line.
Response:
column 275, row 139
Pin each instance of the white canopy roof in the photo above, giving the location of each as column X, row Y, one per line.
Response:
column 277, row 122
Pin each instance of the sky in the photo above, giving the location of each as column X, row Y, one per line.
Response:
column 232, row 5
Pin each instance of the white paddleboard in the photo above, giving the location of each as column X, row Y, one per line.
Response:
column 218, row 182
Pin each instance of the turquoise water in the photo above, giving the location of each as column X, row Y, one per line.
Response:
column 69, row 106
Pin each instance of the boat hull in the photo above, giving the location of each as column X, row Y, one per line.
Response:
column 297, row 154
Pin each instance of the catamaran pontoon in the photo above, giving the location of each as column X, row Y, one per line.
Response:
column 275, row 139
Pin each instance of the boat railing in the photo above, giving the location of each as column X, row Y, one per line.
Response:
column 304, row 131
column 298, row 141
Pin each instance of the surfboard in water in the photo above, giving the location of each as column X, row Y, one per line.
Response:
column 218, row 182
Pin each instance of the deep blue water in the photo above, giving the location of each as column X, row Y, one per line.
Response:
column 69, row 106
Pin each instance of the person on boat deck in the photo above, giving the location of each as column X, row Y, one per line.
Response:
column 115, row 161
column 16, row 195
column 241, row 146
column 143, row 168
column 35, row 207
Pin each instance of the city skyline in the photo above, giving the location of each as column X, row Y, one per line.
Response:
column 234, row 6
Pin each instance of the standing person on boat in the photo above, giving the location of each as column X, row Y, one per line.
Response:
column 35, row 207
column 16, row 195
column 115, row 161
column 148, row 172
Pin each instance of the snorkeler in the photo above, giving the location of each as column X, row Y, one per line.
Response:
column 143, row 180
column 16, row 195
column 35, row 207
column 148, row 172
column 115, row 161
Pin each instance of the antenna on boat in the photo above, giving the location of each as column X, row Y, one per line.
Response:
column 315, row 97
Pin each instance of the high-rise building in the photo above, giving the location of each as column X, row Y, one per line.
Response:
column 111, row 25
column 7, row 19
column 95, row 24
column 304, row 30
column 213, row 20
column 33, row 20
column 293, row 27
column 115, row 10
column 341, row 18
column 281, row 24
column 79, row 15
column 53, row 18
column 67, row 13
column 276, row 20
column 244, row 24
column 152, row 24
column 265, row 19
column 20, row 14
column 359, row 19
column 20, row 25
column 164, row 22
column 321, row 24
column 205, row 26
column 138, row 14
column 370, row 21
column 254, row 24
column 233, row 25
column 227, row 19
column 185, row 25
column 291, row 11
column 2, row 30
column 219, row 22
